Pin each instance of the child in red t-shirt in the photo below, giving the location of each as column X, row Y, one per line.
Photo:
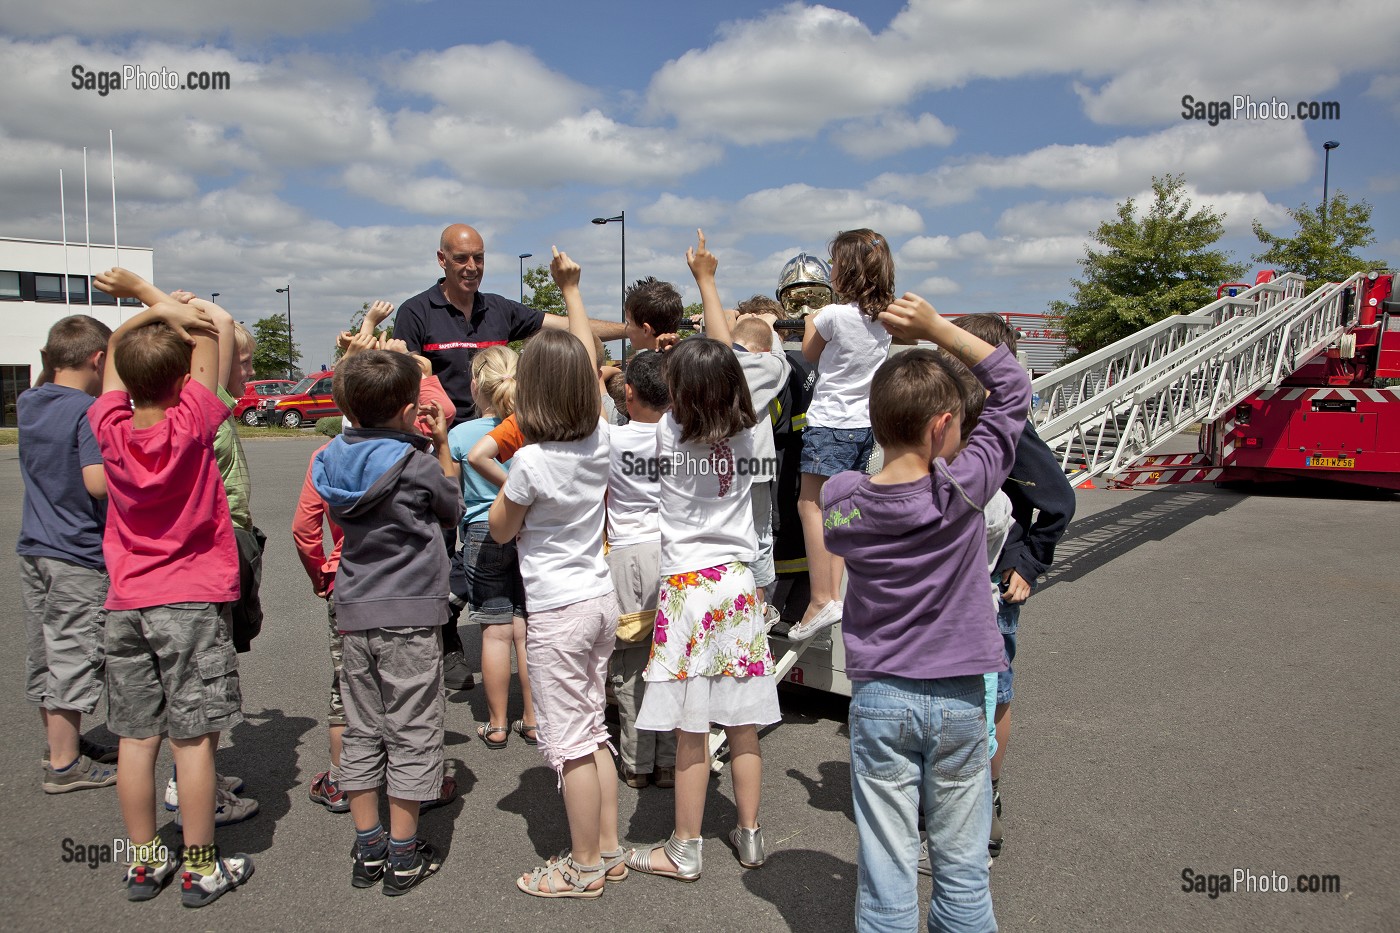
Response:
column 170, row 551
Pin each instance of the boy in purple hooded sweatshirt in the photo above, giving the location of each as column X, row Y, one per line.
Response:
column 919, row 628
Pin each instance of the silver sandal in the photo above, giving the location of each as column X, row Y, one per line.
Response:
column 748, row 845
column 685, row 854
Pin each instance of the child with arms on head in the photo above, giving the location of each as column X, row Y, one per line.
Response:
column 918, row 623
column 391, row 499
column 759, row 350
column 710, row 662
column 553, row 499
column 486, row 575
column 169, row 547
column 847, row 343
column 60, row 552
column 1042, row 504
column 634, row 559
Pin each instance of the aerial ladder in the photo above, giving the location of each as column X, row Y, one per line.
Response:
column 1282, row 383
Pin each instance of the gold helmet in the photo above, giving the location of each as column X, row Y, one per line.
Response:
column 805, row 282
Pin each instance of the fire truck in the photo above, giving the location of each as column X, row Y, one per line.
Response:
column 1284, row 385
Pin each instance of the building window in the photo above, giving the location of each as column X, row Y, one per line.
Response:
column 99, row 297
column 13, row 381
column 9, row 286
column 77, row 287
column 48, row 287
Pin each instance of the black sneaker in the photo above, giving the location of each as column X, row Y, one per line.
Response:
column 425, row 864
column 367, row 871
column 456, row 673
column 144, row 882
column 198, row 890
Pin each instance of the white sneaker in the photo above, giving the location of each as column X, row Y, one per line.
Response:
column 227, row 809
column 198, row 890
column 771, row 617
column 829, row 615
column 226, row 782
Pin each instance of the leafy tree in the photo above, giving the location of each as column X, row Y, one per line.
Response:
column 1147, row 270
column 1324, row 248
column 272, row 354
column 543, row 295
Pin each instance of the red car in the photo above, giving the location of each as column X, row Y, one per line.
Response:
column 302, row 404
column 246, row 408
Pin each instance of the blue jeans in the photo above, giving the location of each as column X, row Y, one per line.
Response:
column 910, row 737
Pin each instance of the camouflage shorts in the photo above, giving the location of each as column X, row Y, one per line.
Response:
column 336, row 716
column 172, row 670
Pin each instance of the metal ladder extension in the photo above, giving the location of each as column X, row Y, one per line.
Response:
column 1100, row 412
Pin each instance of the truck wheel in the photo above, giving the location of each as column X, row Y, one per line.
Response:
column 291, row 419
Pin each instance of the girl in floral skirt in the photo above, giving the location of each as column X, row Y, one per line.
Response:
column 710, row 662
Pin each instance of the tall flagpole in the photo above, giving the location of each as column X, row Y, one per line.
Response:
column 87, row 227
column 112, row 150
column 63, row 213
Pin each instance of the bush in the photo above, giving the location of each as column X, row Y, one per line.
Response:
column 330, row 427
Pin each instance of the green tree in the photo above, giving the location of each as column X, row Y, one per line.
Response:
column 543, row 294
column 1147, row 269
column 1324, row 247
column 272, row 354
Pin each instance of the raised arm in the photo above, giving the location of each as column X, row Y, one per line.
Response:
column 703, row 264
column 913, row 318
column 566, row 275
column 193, row 325
column 228, row 346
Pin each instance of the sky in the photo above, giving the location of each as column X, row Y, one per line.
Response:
column 985, row 141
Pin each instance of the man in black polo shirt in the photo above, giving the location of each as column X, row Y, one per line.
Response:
column 450, row 321
column 447, row 324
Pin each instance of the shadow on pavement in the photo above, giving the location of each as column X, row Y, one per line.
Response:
column 830, row 790
column 1107, row 535
column 804, row 885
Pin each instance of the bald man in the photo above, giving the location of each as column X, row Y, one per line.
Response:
column 453, row 319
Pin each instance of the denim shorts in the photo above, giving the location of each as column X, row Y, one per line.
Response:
column 486, row 576
column 1008, row 621
column 828, row 451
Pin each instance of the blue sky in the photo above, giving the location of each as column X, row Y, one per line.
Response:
column 986, row 141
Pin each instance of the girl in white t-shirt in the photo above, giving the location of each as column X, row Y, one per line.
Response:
column 553, row 500
column 848, row 344
column 710, row 661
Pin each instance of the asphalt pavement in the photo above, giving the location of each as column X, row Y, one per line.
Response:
column 1206, row 683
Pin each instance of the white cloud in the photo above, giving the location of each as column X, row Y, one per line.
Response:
column 246, row 18
column 937, row 285
column 678, row 210
column 498, row 81
column 788, row 73
column 1082, row 216
column 1233, row 156
column 796, row 210
column 435, row 196
column 892, row 133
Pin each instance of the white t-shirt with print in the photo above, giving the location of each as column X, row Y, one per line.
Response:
column 855, row 348
column 561, row 542
column 706, row 516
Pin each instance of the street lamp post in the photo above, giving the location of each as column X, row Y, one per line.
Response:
column 622, row 222
column 291, row 366
column 1327, row 148
column 213, row 295
column 523, row 257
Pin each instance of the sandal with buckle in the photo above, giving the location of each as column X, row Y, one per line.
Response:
column 486, row 730
column 611, row 862
column 575, row 879
column 528, row 733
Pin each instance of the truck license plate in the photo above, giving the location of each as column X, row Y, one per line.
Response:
column 1332, row 463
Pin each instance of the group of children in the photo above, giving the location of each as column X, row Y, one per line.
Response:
column 598, row 539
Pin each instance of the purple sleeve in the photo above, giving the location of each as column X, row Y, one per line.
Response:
column 991, row 450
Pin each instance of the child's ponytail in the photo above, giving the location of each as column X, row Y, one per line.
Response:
column 494, row 372
column 862, row 270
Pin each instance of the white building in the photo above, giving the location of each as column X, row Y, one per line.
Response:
column 33, row 298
